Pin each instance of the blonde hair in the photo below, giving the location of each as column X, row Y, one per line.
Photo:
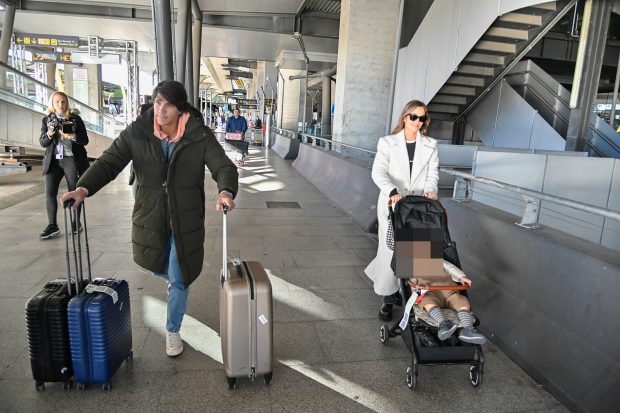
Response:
column 50, row 108
column 409, row 107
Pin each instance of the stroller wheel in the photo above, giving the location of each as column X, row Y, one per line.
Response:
column 475, row 376
column 412, row 378
column 384, row 334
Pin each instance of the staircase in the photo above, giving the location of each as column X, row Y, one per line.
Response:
column 551, row 100
column 500, row 46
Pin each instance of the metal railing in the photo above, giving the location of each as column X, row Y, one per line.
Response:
column 328, row 144
column 463, row 192
column 20, row 89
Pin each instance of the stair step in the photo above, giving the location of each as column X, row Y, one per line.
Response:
column 443, row 108
column 485, row 58
column 517, row 34
column 546, row 7
column 493, row 46
column 451, row 99
column 476, row 70
column 516, row 17
column 458, row 90
column 465, row 81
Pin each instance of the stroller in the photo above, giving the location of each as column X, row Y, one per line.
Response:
column 237, row 142
column 417, row 328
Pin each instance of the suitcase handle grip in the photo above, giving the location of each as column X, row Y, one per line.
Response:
column 74, row 216
column 224, row 244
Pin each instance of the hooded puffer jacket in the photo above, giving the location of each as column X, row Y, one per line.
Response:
column 170, row 194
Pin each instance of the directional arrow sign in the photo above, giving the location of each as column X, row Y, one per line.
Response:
column 31, row 39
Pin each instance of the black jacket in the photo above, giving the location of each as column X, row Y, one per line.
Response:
column 170, row 195
column 78, row 146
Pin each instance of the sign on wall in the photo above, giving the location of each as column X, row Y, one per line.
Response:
column 31, row 39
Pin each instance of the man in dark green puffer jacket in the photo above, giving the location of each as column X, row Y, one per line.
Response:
column 169, row 148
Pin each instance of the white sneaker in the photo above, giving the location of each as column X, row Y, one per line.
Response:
column 174, row 344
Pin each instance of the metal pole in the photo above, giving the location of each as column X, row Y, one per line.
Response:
column 196, row 44
column 614, row 100
column 596, row 22
column 390, row 106
column 189, row 65
column 303, row 126
column 281, row 106
column 180, row 38
column 163, row 38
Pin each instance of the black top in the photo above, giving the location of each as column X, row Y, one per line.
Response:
column 411, row 152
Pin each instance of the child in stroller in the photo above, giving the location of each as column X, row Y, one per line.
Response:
column 434, row 287
column 434, row 301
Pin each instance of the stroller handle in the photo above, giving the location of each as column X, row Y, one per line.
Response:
column 458, row 287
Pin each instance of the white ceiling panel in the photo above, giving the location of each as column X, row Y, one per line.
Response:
column 244, row 44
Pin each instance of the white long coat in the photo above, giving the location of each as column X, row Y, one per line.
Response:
column 391, row 170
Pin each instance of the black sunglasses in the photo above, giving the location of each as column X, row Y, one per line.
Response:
column 413, row 117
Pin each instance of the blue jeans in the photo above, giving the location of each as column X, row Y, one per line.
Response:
column 177, row 293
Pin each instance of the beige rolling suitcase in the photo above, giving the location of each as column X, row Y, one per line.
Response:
column 246, row 320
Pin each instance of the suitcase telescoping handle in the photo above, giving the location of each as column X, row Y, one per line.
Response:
column 74, row 214
column 225, row 245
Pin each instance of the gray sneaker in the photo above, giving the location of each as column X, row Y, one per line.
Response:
column 471, row 335
column 446, row 329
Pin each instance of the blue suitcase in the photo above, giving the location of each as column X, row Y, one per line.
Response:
column 100, row 331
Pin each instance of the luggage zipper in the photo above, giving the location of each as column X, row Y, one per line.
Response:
column 252, row 373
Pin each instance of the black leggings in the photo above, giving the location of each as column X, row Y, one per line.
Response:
column 58, row 168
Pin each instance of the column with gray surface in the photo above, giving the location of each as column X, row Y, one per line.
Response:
column 289, row 98
column 5, row 38
column 180, row 38
column 163, row 38
column 365, row 59
column 326, row 105
column 587, row 71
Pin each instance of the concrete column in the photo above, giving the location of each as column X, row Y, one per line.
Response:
column 326, row 105
column 289, row 98
column 68, row 78
column 5, row 39
column 365, row 60
column 592, row 41
column 259, row 80
column 95, row 86
column 163, row 38
column 180, row 37
column 50, row 75
column 7, row 32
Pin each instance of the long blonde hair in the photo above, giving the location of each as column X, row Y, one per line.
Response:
column 50, row 108
column 409, row 107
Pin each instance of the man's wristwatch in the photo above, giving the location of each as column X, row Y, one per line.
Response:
column 226, row 193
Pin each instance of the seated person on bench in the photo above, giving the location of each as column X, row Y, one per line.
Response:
column 431, row 270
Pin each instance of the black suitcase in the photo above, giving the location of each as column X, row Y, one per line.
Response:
column 46, row 321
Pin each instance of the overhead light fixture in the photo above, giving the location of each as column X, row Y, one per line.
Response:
column 2, row 7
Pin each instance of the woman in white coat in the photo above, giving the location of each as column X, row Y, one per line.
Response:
column 406, row 164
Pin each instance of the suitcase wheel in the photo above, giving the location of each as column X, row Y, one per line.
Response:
column 268, row 378
column 232, row 382
column 40, row 385
column 130, row 355
column 67, row 385
column 106, row 386
column 81, row 386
